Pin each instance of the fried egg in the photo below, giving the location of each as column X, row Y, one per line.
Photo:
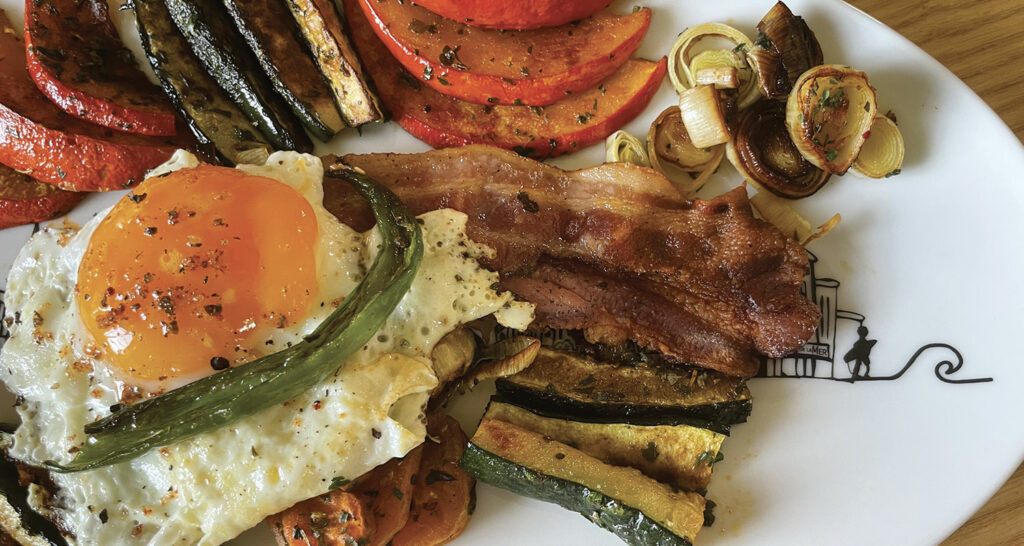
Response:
column 198, row 269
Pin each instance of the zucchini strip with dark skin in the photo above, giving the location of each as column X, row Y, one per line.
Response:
column 218, row 46
column 634, row 507
column 271, row 33
column 210, row 113
column 321, row 25
column 678, row 455
column 16, row 494
column 566, row 386
column 236, row 393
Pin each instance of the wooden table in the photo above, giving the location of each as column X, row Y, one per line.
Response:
column 982, row 42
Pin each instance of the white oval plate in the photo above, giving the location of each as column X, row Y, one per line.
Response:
column 932, row 256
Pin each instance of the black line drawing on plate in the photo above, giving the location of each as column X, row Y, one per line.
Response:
column 4, row 332
column 817, row 358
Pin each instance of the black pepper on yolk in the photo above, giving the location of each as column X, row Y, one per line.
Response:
column 191, row 271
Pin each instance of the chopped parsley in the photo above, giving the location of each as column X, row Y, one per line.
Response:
column 339, row 481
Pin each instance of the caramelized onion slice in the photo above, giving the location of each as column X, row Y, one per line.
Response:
column 622, row 147
column 670, row 148
column 829, row 113
column 685, row 60
column 777, row 211
column 882, row 153
column 764, row 154
column 785, row 48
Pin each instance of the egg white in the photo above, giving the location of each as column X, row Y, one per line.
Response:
column 209, row 488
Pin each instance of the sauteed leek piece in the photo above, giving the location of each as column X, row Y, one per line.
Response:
column 461, row 360
column 829, row 115
column 764, row 154
column 622, row 147
column 722, row 77
column 669, row 145
column 703, row 115
column 777, row 211
column 882, row 153
column 785, row 48
column 235, row 393
column 685, row 62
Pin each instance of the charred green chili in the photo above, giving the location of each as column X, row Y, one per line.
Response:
column 236, row 393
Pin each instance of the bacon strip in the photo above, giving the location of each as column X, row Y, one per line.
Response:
column 613, row 250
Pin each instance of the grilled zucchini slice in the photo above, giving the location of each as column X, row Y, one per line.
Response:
column 678, row 455
column 19, row 523
column 579, row 388
column 273, row 37
column 210, row 113
column 320, row 24
column 636, row 508
column 216, row 44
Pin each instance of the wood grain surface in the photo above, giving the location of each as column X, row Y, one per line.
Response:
column 982, row 42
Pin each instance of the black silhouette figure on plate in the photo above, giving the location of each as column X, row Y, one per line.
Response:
column 860, row 355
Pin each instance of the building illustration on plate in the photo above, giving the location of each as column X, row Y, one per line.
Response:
column 818, row 357
column 840, row 349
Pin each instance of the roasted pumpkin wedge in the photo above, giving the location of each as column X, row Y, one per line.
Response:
column 678, row 455
column 386, row 491
column 39, row 139
column 573, row 387
column 77, row 60
column 537, row 132
column 519, row 15
column 24, row 200
column 217, row 45
column 636, row 508
column 368, row 511
column 271, row 33
column 332, row 519
column 535, row 68
column 211, row 114
column 321, row 26
column 444, row 496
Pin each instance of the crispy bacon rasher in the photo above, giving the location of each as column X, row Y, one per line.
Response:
column 613, row 250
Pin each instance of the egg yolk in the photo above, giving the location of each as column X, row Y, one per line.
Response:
column 191, row 271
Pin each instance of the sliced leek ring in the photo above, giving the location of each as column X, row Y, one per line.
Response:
column 777, row 212
column 882, row 153
column 763, row 153
column 828, row 115
column 622, row 147
column 685, row 61
column 670, row 149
